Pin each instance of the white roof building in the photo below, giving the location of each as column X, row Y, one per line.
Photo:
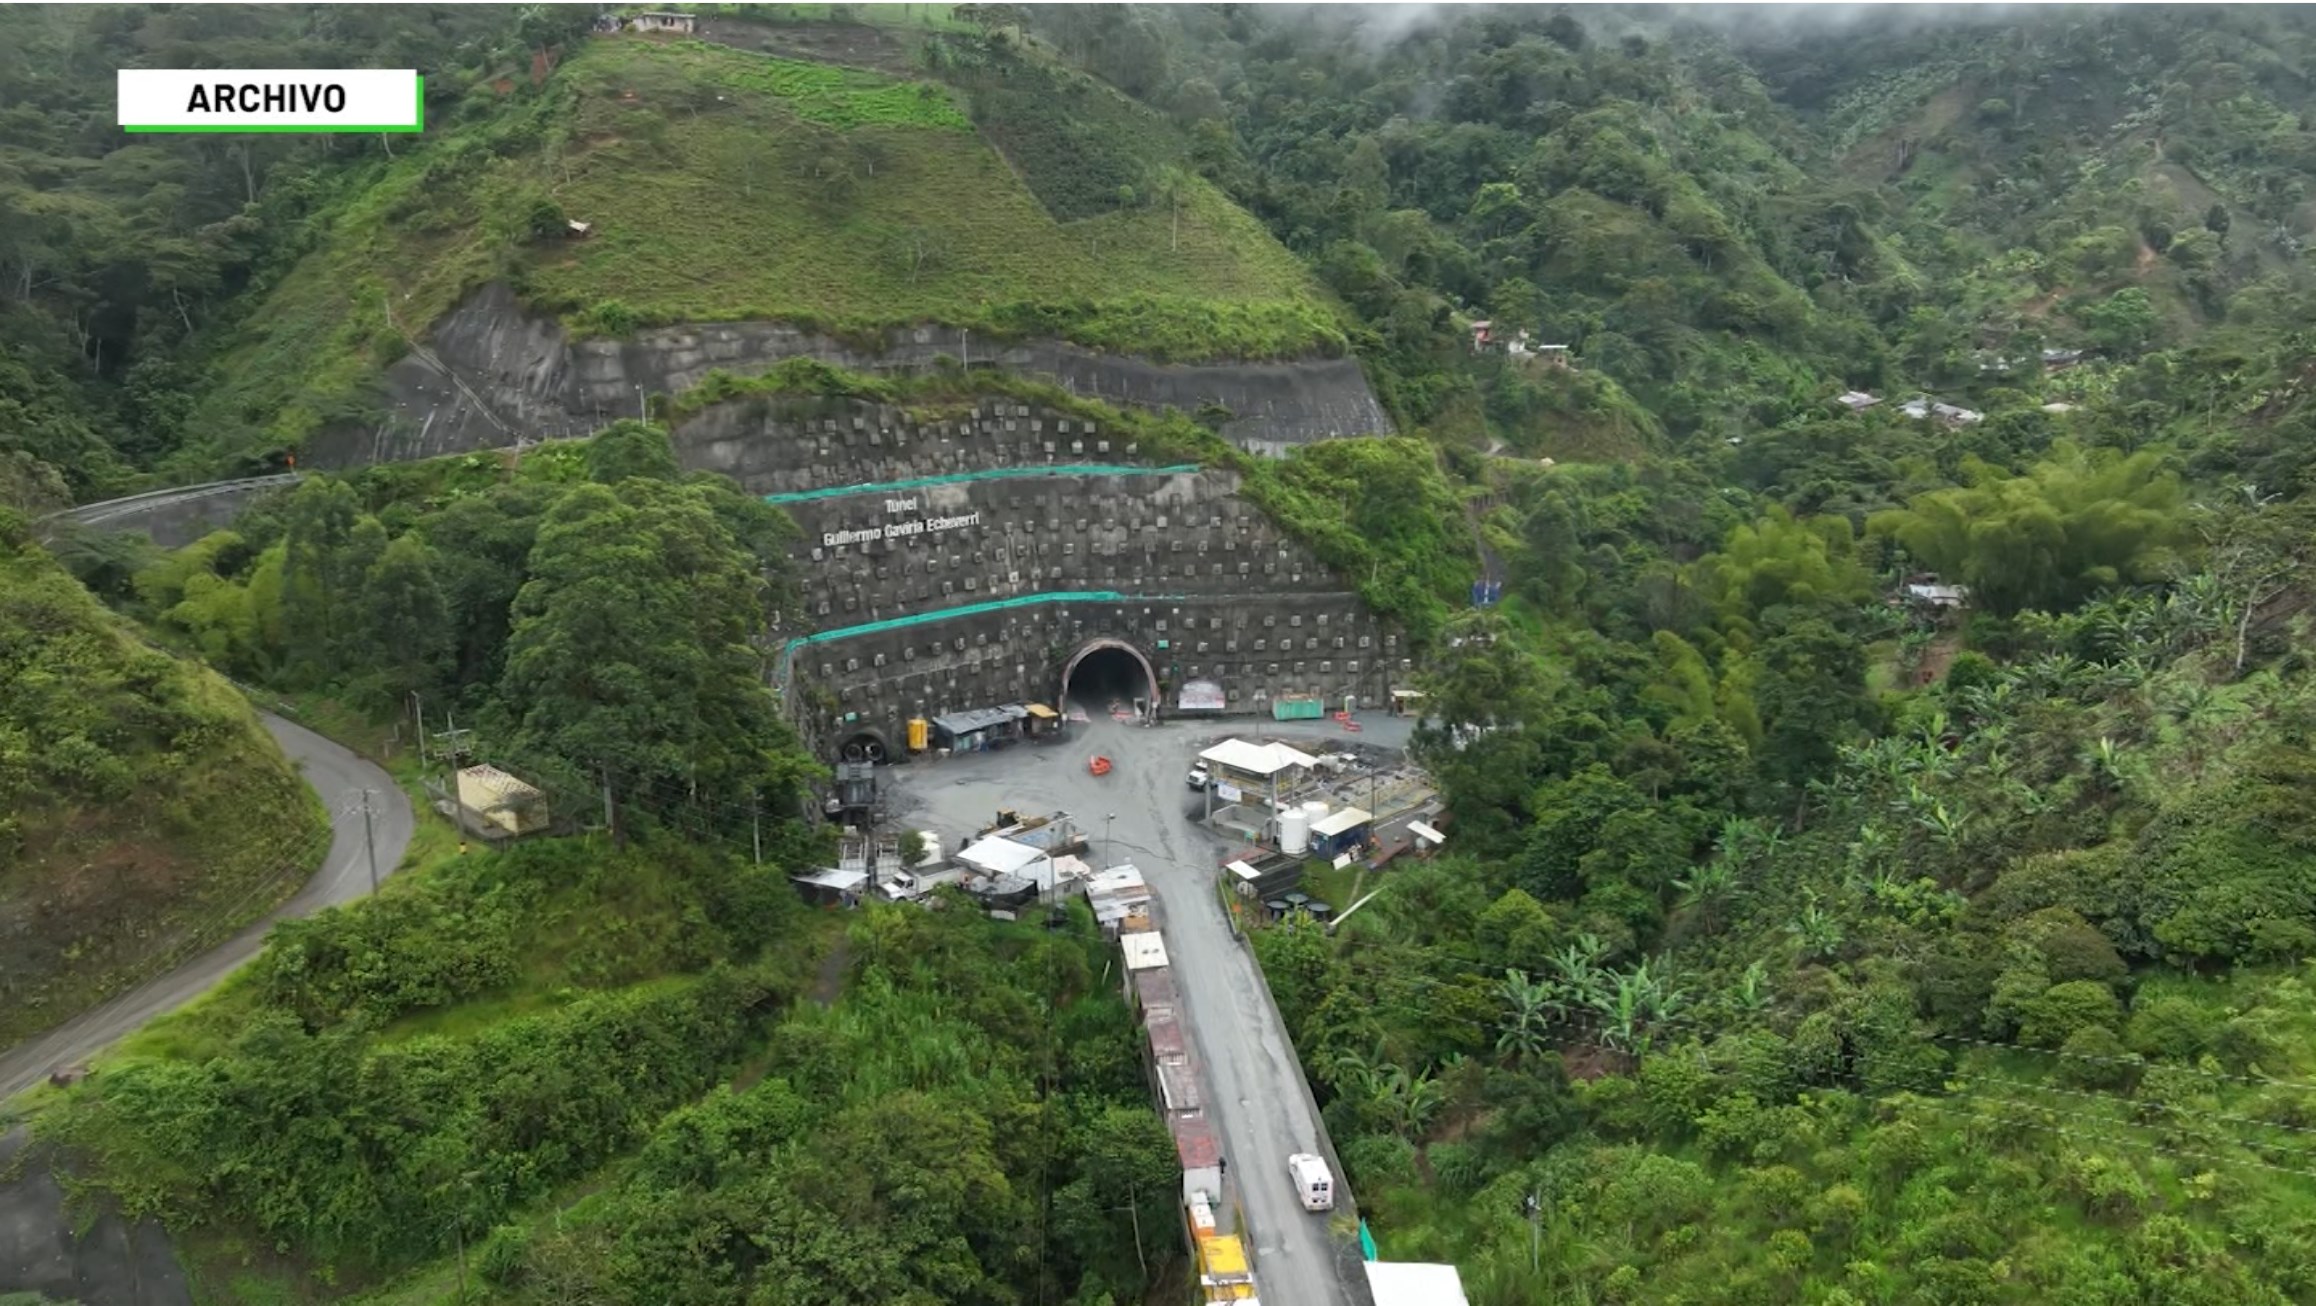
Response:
column 1264, row 760
column 1144, row 950
column 995, row 856
column 1118, row 882
column 1415, row 1283
column 1340, row 821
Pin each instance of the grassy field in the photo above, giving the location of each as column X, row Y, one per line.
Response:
column 724, row 185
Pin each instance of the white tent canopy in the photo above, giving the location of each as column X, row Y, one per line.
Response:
column 1256, row 759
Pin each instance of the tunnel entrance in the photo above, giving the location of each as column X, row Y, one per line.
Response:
column 864, row 746
column 1107, row 675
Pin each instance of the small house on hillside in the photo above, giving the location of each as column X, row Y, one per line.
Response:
column 496, row 805
column 1923, row 407
column 683, row 23
column 1925, row 590
column 1857, row 401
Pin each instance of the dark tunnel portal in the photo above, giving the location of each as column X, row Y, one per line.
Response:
column 1106, row 675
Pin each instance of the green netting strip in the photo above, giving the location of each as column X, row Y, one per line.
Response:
column 788, row 652
column 990, row 474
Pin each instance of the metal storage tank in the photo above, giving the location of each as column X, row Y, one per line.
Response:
column 1314, row 809
column 1294, row 832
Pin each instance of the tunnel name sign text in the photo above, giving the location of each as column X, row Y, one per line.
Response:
column 897, row 530
column 236, row 100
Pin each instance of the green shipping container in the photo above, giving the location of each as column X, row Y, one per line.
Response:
column 1298, row 709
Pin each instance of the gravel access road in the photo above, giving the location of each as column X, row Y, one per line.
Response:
column 339, row 776
column 1252, row 1080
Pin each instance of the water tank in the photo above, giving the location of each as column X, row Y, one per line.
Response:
column 1314, row 809
column 1294, row 832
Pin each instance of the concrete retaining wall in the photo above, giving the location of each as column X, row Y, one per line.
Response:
column 1216, row 591
column 175, row 518
column 1258, row 646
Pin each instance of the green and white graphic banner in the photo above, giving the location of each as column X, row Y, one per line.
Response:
column 272, row 100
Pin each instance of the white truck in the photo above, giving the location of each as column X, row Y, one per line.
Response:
column 1314, row 1182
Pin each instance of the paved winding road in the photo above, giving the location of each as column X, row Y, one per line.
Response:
column 339, row 776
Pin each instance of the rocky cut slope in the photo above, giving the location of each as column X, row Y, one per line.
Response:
column 544, row 262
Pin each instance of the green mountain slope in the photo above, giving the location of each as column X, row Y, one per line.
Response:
column 721, row 184
column 142, row 809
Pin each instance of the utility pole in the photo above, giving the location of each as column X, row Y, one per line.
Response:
column 454, row 739
column 610, row 821
column 1535, row 1209
column 418, row 708
column 369, row 841
column 1133, row 1209
column 1107, row 822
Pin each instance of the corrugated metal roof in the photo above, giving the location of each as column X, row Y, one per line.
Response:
column 1337, row 822
column 1156, row 989
column 1194, row 1141
column 997, row 856
column 982, row 718
column 1178, row 1085
column 498, row 783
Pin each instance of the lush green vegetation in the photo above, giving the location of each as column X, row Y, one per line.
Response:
column 567, row 1072
column 123, row 260
column 1734, row 221
column 720, row 183
column 1793, row 944
column 591, row 611
column 144, row 813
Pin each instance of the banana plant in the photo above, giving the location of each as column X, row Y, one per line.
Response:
column 1530, row 1007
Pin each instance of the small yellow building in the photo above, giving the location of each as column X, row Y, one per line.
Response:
column 500, row 801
